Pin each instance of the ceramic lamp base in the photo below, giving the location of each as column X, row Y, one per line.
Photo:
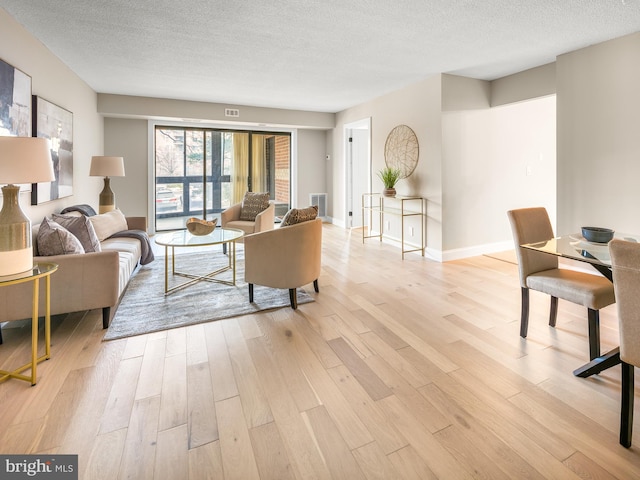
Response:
column 107, row 199
column 16, row 254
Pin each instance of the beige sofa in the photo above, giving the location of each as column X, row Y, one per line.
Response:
column 83, row 281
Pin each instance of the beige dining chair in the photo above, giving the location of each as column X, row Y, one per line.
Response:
column 540, row 271
column 625, row 259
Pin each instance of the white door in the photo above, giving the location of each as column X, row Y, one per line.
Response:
column 358, row 176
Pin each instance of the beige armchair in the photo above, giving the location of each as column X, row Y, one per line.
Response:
column 625, row 259
column 287, row 257
column 540, row 271
column 230, row 218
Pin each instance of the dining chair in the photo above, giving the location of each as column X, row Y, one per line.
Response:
column 625, row 260
column 540, row 271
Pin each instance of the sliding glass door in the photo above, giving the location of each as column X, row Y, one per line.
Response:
column 200, row 172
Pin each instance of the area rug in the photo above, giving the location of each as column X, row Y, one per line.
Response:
column 145, row 309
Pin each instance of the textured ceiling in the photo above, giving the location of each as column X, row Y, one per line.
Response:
column 319, row 55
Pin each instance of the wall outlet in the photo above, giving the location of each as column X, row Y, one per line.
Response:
column 529, row 170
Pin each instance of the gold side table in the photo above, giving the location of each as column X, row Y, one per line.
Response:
column 40, row 270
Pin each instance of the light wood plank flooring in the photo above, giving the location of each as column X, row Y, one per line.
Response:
column 399, row 370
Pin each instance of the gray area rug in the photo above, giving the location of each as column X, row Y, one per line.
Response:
column 145, row 309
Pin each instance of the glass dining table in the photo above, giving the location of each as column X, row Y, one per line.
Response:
column 575, row 247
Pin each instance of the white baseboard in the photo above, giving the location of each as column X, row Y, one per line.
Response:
column 474, row 251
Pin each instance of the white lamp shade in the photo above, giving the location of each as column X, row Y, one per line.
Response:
column 25, row 160
column 106, row 167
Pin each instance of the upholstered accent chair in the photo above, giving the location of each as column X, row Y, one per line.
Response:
column 249, row 216
column 287, row 257
column 540, row 271
column 625, row 258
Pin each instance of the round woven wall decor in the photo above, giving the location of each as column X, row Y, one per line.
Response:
column 401, row 150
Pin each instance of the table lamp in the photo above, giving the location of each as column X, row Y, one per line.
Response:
column 106, row 167
column 22, row 160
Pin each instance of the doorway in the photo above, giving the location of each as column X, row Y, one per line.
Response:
column 358, row 169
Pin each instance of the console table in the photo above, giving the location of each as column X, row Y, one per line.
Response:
column 399, row 206
column 40, row 270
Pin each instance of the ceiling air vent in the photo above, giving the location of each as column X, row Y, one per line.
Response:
column 231, row 112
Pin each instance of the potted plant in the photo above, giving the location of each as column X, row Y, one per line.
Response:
column 389, row 177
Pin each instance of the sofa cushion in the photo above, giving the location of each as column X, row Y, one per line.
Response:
column 82, row 228
column 54, row 239
column 106, row 224
column 299, row 215
column 252, row 204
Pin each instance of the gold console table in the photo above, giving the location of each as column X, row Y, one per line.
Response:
column 409, row 206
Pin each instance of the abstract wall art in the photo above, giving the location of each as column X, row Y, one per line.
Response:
column 55, row 123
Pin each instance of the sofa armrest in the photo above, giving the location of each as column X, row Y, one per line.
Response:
column 137, row 223
column 230, row 214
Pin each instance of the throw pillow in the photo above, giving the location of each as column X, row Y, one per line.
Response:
column 252, row 204
column 83, row 230
column 299, row 215
column 106, row 224
column 54, row 239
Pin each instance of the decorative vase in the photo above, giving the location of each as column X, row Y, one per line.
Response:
column 389, row 192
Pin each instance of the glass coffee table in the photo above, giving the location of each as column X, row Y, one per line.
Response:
column 184, row 239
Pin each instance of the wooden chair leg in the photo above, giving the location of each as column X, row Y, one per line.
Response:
column 315, row 287
column 293, row 298
column 524, row 317
column 553, row 311
column 251, row 293
column 594, row 333
column 626, row 410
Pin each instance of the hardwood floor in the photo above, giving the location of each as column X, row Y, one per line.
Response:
column 399, row 370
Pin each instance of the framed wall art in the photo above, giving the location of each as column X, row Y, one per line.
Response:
column 15, row 105
column 55, row 123
column 15, row 102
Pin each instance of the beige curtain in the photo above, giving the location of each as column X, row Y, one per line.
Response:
column 240, row 172
column 259, row 161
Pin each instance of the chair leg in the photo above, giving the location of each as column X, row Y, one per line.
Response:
column 524, row 317
column 106, row 317
column 315, row 287
column 0, row 335
column 251, row 293
column 553, row 312
column 293, row 298
column 626, row 410
column 594, row 333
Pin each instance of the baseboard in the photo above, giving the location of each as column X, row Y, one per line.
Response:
column 476, row 250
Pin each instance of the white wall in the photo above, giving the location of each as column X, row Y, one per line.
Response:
column 127, row 138
column 473, row 158
column 53, row 81
column 417, row 106
column 487, row 154
column 310, row 174
column 599, row 136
